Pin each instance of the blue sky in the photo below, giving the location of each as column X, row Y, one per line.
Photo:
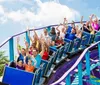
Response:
column 15, row 15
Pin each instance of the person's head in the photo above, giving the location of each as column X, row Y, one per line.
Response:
column 35, row 52
column 58, row 33
column 53, row 43
column 20, row 63
column 23, row 51
column 31, row 48
column 33, row 44
column 35, row 37
column 73, row 30
column 45, row 31
column 29, row 62
column 65, row 19
column 13, row 64
column 53, row 31
column 26, row 43
column 95, row 21
column 73, row 24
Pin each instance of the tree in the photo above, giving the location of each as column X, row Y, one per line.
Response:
column 3, row 61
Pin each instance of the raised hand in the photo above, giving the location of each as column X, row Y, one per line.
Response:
column 18, row 39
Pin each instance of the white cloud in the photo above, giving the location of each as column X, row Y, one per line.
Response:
column 1, row 10
column 48, row 13
column 15, row 1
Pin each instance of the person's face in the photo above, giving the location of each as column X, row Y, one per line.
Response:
column 31, row 48
column 73, row 25
column 53, row 43
column 35, row 38
column 34, row 52
column 20, row 63
column 45, row 31
column 64, row 18
column 95, row 21
column 29, row 62
column 73, row 31
column 23, row 51
column 26, row 43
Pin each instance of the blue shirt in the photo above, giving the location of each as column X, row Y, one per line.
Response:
column 53, row 36
column 69, row 29
column 38, row 59
column 21, row 57
column 70, row 36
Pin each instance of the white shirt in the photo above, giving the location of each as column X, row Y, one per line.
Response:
column 47, row 38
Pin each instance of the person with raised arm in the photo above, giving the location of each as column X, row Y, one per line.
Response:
column 52, row 34
column 85, row 26
column 61, row 30
column 35, row 41
column 29, row 67
column 95, row 22
column 21, row 52
column 38, row 56
column 78, row 31
column 46, row 36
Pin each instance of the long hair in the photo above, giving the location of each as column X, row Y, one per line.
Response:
column 53, row 31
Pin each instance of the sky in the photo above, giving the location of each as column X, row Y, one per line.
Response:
column 16, row 15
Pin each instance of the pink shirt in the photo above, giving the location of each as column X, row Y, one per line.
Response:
column 95, row 26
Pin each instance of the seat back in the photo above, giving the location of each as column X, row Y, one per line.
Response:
column 55, row 55
column 85, row 38
column 61, row 50
column 76, row 44
column 50, row 62
column 97, row 37
column 68, row 46
column 37, row 76
column 15, row 76
column 44, row 64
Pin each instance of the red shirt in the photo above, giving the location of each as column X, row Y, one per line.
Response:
column 45, row 56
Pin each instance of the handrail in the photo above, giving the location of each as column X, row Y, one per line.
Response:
column 75, row 65
column 3, row 43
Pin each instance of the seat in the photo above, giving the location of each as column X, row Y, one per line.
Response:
column 15, row 76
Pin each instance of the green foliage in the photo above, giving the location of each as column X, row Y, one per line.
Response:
column 3, row 61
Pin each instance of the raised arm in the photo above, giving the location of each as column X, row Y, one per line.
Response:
column 81, row 20
column 91, row 17
column 27, row 47
column 82, row 23
column 96, row 18
column 65, row 24
column 43, row 48
column 35, row 34
column 65, row 21
column 57, row 28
